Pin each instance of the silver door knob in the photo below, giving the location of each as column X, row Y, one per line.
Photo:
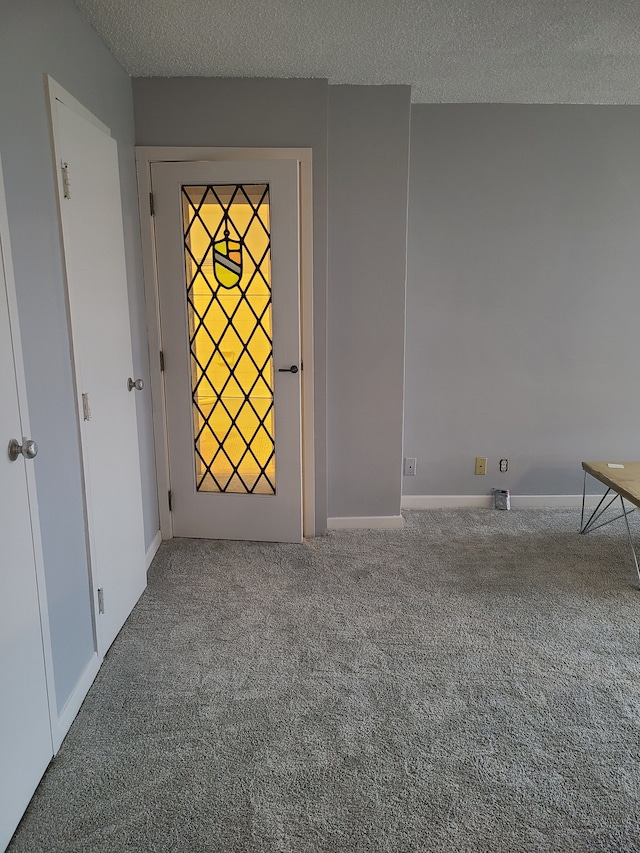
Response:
column 28, row 449
column 138, row 384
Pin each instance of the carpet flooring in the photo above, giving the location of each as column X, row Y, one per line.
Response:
column 468, row 683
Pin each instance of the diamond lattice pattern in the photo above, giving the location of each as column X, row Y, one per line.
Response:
column 228, row 274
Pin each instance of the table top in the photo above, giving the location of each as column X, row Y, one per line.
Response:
column 624, row 480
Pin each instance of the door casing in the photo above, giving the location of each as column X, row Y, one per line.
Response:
column 145, row 156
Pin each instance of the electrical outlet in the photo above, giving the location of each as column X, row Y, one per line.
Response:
column 481, row 465
column 504, row 466
column 409, row 466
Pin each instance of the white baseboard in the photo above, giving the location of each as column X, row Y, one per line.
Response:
column 553, row 501
column 445, row 501
column 366, row 522
column 61, row 726
column 152, row 550
column 486, row 501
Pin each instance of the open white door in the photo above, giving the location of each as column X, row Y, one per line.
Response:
column 92, row 229
column 228, row 266
column 25, row 733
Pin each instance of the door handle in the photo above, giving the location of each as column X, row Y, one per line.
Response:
column 29, row 449
column 292, row 369
column 138, row 384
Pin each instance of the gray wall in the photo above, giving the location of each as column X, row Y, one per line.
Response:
column 254, row 113
column 523, row 297
column 364, row 133
column 38, row 36
column 368, row 176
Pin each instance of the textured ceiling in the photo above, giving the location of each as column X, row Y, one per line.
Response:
column 518, row 51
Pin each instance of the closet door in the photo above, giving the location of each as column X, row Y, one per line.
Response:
column 93, row 239
column 25, row 732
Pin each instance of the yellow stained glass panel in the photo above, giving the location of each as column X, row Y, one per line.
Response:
column 227, row 244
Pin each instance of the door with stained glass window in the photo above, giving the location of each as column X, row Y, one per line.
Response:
column 227, row 250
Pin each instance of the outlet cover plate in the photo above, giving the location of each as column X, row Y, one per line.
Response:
column 481, row 465
column 409, row 468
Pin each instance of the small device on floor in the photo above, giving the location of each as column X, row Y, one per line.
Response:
column 501, row 499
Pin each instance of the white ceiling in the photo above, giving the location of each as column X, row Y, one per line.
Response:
column 517, row 51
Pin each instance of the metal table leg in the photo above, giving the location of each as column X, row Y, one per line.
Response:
column 633, row 550
column 598, row 512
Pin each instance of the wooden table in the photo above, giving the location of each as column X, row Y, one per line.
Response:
column 621, row 478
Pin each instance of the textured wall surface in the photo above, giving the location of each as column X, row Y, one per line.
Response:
column 523, row 297
column 38, row 37
column 514, row 51
column 368, row 175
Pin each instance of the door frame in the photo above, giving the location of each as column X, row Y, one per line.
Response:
column 145, row 157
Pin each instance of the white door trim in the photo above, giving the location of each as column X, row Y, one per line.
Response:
column 7, row 263
column 145, row 156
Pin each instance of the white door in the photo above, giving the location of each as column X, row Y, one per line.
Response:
column 228, row 265
column 25, row 735
column 91, row 211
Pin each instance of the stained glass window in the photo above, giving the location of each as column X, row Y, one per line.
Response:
column 228, row 276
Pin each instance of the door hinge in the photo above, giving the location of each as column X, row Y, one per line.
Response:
column 66, row 189
column 161, row 361
column 100, row 600
column 86, row 411
column 152, row 207
column 170, row 501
